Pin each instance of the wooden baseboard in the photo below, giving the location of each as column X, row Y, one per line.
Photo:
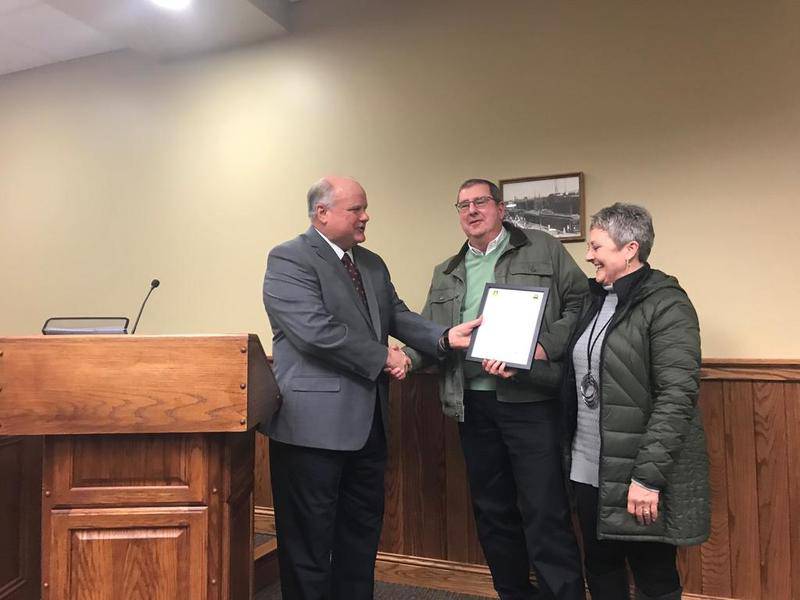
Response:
column 451, row 576
column 264, row 520
column 446, row 575
column 731, row 369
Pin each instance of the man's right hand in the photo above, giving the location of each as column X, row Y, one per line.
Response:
column 397, row 363
column 460, row 335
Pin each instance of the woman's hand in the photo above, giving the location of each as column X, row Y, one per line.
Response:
column 497, row 368
column 642, row 503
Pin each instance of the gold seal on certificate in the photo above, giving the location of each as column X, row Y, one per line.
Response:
column 512, row 316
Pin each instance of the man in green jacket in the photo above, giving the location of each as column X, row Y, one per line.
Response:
column 509, row 420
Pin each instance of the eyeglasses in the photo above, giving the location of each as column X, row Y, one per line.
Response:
column 478, row 202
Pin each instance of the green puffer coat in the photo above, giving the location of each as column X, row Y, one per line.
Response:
column 650, row 424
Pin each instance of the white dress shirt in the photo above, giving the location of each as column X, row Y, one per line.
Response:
column 339, row 252
column 492, row 245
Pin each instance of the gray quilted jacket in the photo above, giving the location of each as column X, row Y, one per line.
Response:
column 650, row 423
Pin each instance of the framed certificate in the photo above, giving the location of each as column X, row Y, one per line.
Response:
column 509, row 331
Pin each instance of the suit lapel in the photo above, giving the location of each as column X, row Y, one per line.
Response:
column 369, row 288
column 324, row 250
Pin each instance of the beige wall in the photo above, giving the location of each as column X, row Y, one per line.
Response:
column 114, row 169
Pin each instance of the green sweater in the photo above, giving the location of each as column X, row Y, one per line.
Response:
column 480, row 271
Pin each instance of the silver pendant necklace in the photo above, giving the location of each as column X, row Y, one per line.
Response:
column 589, row 386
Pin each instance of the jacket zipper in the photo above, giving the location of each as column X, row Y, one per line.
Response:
column 458, row 300
column 612, row 323
column 600, row 420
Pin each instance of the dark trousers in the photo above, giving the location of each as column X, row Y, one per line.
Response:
column 652, row 563
column 513, row 463
column 328, row 516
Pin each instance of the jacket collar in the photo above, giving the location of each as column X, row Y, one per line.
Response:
column 516, row 239
column 624, row 286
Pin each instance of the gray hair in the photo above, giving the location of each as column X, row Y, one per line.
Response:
column 319, row 193
column 627, row 223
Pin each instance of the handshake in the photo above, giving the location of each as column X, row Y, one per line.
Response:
column 458, row 337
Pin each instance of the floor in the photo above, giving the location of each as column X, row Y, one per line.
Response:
column 383, row 591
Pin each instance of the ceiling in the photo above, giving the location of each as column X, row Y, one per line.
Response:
column 35, row 33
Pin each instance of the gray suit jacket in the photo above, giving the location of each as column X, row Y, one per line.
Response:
column 328, row 350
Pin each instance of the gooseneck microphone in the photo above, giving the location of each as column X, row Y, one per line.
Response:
column 153, row 285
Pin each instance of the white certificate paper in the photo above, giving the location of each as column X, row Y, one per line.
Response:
column 512, row 316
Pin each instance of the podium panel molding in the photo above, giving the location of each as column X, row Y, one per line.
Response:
column 155, row 553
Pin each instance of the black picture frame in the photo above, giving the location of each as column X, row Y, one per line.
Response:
column 555, row 204
column 537, row 325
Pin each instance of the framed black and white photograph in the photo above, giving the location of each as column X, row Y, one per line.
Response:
column 551, row 203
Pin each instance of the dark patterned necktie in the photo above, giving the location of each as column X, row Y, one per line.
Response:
column 358, row 283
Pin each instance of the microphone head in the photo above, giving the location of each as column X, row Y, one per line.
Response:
column 155, row 283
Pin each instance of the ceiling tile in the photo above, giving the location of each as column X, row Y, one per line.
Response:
column 47, row 30
column 15, row 57
column 9, row 6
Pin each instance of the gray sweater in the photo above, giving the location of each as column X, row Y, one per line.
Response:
column 586, row 443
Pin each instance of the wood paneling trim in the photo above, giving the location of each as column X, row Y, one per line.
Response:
column 93, row 470
column 170, row 542
column 750, row 369
column 264, row 520
column 20, row 521
column 462, row 578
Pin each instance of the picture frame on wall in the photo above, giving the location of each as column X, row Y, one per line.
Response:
column 554, row 204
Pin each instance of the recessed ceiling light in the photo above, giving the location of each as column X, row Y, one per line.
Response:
column 172, row 4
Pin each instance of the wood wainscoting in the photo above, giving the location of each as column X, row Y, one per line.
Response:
column 751, row 411
column 20, row 522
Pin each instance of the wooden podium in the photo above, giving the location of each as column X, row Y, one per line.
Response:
column 144, row 489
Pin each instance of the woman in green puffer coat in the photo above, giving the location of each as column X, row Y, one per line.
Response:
column 635, row 443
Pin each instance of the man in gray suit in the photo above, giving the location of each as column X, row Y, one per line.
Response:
column 332, row 306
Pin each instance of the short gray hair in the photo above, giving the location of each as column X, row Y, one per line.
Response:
column 627, row 223
column 319, row 193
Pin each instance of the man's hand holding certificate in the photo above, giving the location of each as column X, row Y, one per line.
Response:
column 512, row 316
